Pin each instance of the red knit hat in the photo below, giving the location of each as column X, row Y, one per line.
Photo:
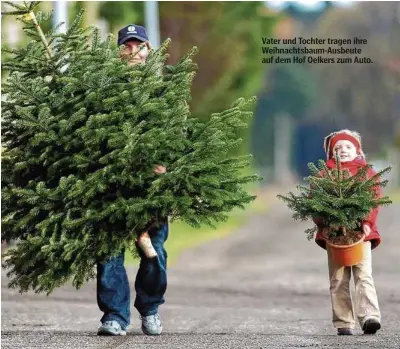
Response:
column 333, row 138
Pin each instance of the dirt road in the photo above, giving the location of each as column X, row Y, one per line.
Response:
column 264, row 287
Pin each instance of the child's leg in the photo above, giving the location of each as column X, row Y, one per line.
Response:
column 342, row 307
column 366, row 300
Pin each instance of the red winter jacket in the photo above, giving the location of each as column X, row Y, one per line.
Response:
column 353, row 167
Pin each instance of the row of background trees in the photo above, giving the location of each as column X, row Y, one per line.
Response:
column 319, row 98
column 364, row 97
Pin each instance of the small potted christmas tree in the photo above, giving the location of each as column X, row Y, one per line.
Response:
column 340, row 202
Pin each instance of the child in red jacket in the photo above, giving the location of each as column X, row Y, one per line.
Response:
column 348, row 145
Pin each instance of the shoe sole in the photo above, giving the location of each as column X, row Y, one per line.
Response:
column 151, row 334
column 109, row 333
column 372, row 327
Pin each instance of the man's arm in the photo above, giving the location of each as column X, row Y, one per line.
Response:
column 160, row 169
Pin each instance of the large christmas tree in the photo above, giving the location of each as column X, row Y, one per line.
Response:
column 83, row 132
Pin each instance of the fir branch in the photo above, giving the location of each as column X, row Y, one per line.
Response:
column 27, row 13
column 16, row 6
column 41, row 35
column 74, row 27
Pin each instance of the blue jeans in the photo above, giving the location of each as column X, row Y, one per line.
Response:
column 113, row 292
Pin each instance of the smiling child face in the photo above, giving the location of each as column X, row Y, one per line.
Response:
column 346, row 150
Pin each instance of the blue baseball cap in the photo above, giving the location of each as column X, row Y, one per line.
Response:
column 132, row 31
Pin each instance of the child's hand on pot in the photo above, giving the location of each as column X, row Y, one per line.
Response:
column 366, row 229
column 325, row 233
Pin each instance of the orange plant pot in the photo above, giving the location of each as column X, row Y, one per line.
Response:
column 347, row 255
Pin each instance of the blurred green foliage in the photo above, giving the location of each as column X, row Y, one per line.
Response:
column 229, row 38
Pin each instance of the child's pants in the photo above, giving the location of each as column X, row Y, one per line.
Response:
column 365, row 298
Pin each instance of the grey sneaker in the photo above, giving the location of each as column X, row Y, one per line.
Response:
column 151, row 325
column 344, row 332
column 111, row 328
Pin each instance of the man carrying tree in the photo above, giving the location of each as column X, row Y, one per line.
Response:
column 83, row 130
column 113, row 292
